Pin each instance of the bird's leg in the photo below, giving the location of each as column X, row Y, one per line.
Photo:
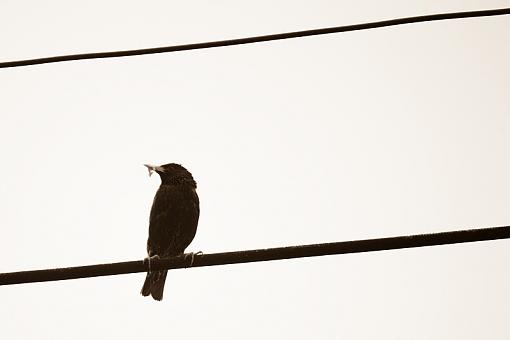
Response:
column 149, row 258
column 192, row 254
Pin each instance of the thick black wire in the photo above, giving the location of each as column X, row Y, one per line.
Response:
column 385, row 23
column 413, row 241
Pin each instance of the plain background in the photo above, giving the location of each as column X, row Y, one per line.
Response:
column 376, row 133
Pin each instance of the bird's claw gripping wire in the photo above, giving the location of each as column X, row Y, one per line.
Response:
column 148, row 260
column 192, row 254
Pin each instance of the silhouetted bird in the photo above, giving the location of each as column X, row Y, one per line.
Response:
column 173, row 221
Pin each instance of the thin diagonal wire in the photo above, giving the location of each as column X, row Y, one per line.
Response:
column 270, row 254
column 263, row 38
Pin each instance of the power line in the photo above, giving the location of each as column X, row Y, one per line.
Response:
column 262, row 38
column 347, row 247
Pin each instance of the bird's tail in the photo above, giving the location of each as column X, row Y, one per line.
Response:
column 154, row 284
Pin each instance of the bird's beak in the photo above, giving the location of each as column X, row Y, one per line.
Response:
column 154, row 168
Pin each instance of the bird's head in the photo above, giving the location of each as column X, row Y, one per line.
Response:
column 171, row 172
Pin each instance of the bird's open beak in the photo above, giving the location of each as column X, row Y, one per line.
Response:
column 154, row 168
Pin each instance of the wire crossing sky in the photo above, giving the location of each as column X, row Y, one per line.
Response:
column 272, row 37
column 201, row 260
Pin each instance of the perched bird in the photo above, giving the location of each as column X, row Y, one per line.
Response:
column 173, row 221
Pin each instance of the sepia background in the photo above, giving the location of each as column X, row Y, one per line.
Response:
column 375, row 133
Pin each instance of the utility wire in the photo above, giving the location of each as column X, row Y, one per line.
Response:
column 250, row 40
column 400, row 242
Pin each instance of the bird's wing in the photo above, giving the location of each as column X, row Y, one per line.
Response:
column 173, row 220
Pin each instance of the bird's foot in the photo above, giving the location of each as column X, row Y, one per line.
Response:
column 192, row 254
column 149, row 259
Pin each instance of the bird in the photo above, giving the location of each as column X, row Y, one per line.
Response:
column 173, row 221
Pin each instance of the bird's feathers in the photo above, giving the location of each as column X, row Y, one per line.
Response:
column 173, row 221
column 154, row 284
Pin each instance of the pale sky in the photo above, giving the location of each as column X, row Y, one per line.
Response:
column 375, row 133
